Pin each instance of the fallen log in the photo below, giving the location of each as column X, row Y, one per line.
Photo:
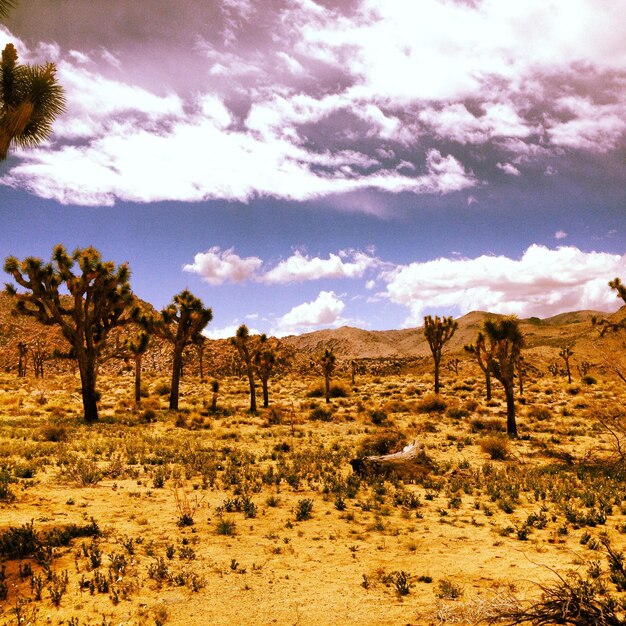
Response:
column 411, row 463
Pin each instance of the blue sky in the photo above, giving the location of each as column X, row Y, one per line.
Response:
column 302, row 165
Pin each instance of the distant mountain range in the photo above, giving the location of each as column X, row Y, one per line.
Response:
column 544, row 339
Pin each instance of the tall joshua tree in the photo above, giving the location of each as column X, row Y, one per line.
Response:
column 327, row 362
column 241, row 341
column 483, row 358
column 30, row 100
column 180, row 323
column 505, row 344
column 438, row 332
column 99, row 300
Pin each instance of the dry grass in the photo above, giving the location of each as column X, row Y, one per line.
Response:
column 230, row 518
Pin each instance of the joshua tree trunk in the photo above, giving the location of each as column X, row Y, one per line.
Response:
column 252, row 390
column 138, row 380
column 511, row 425
column 436, row 376
column 87, row 368
column 176, row 370
column 327, row 388
column 488, row 384
column 266, row 395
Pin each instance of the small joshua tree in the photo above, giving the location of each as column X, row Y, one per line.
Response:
column 137, row 348
column 99, row 300
column 241, row 342
column 566, row 353
column 265, row 361
column 327, row 362
column 505, row 344
column 180, row 323
column 438, row 332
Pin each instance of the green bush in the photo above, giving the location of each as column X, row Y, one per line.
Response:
column 321, row 414
column 378, row 416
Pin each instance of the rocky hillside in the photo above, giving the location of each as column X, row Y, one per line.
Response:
column 382, row 351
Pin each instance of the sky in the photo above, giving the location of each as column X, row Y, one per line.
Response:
column 308, row 164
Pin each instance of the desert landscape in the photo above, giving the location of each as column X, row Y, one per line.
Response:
column 313, row 313
column 213, row 514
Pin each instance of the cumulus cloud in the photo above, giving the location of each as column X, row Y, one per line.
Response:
column 560, row 234
column 324, row 311
column 543, row 282
column 300, row 267
column 217, row 266
column 317, row 101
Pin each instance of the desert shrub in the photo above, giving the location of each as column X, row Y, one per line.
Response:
column 573, row 390
column 589, row 380
column 539, row 413
column 496, row 447
column 304, row 509
column 148, row 416
column 53, row 432
column 162, row 389
column 378, row 416
column 225, row 527
column 387, row 442
column 575, row 599
column 396, row 406
column 320, row 414
column 471, row 405
column 431, row 403
column 337, row 390
column 457, row 413
column 448, row 590
column 274, row 415
column 82, row 471
column 488, row 425
column 6, row 478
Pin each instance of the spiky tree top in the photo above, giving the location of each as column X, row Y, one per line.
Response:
column 265, row 358
column 100, row 294
column 328, row 361
column 438, row 332
column 182, row 320
column 479, row 350
column 506, row 341
column 30, row 100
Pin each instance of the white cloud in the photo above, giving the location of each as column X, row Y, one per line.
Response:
column 226, row 332
column 217, row 266
column 299, row 267
column 508, row 168
column 324, row 311
column 560, row 234
column 543, row 282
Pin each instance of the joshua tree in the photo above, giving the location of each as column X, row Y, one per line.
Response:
column 505, row 344
column 327, row 362
column 483, row 359
column 180, row 323
column 566, row 353
column 438, row 332
column 137, row 348
column 264, row 361
column 99, row 300
column 30, row 100
column 241, row 342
